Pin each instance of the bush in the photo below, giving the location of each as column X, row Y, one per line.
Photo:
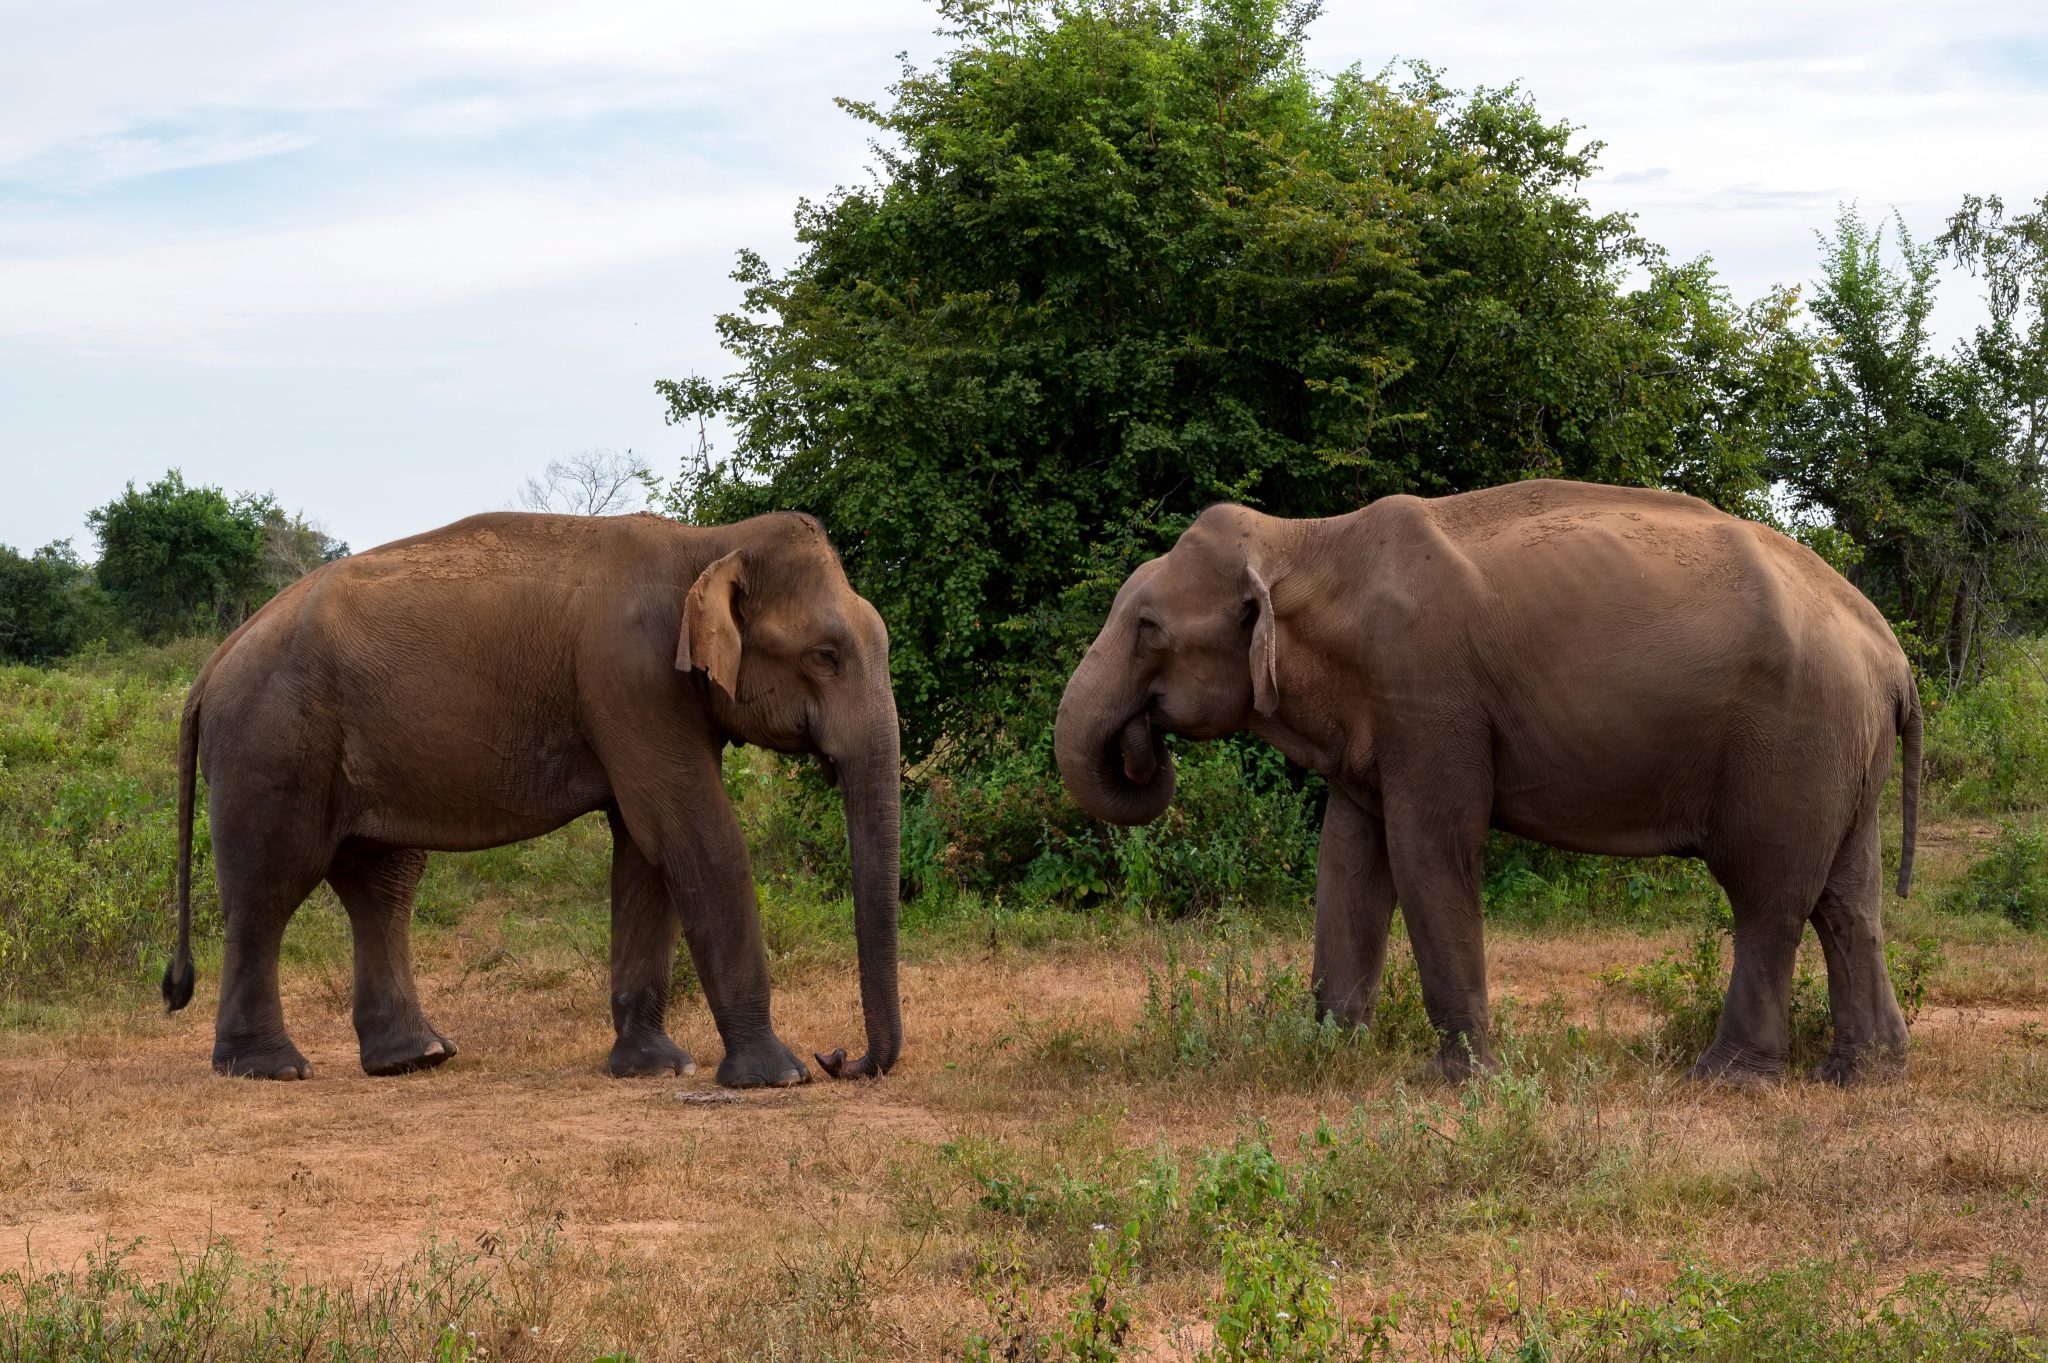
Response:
column 88, row 828
column 1239, row 832
column 1258, row 1016
column 50, row 604
column 2010, row 879
column 1987, row 744
column 1537, row 886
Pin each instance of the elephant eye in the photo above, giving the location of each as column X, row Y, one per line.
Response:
column 824, row 658
column 1150, row 635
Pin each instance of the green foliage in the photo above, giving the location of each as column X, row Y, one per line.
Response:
column 1536, row 886
column 1825, row 1311
column 1253, row 1017
column 1239, row 833
column 1125, row 259
column 50, row 604
column 1931, row 464
column 178, row 559
column 1987, row 743
column 1096, row 1325
column 446, row 1305
column 2010, row 879
column 88, row 827
column 1275, row 1305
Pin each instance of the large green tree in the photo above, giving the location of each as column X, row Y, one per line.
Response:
column 49, row 604
column 1123, row 259
column 177, row 558
column 1930, row 462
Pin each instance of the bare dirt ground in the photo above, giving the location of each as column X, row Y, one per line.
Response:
column 701, row 1203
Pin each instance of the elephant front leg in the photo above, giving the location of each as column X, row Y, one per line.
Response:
column 714, row 887
column 644, row 933
column 1354, row 910
column 1437, row 858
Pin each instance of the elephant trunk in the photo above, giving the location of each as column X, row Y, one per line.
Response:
column 1111, row 757
column 872, row 782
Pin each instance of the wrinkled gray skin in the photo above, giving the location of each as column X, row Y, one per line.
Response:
column 1602, row 669
column 492, row 680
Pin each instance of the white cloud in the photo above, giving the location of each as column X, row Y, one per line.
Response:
column 216, row 293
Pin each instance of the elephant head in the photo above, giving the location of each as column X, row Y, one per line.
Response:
column 1190, row 647
column 795, row 660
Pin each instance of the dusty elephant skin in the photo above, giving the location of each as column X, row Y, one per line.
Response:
column 492, row 680
column 1603, row 669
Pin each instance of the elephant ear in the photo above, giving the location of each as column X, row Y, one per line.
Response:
column 1265, row 656
column 710, row 637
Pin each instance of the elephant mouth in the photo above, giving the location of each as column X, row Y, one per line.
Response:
column 1141, row 748
column 828, row 769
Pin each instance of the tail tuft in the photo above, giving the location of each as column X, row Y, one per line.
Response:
column 179, row 978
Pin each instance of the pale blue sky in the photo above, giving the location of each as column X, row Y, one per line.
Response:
column 385, row 260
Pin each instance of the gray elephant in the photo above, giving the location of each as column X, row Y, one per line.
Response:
column 495, row 679
column 1602, row 669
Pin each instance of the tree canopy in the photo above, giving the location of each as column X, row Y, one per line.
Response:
column 1930, row 463
column 49, row 604
column 1124, row 259
column 175, row 558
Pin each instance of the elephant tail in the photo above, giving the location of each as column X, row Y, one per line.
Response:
column 1909, row 783
column 178, row 976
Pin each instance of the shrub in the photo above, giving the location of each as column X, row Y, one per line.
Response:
column 1537, row 886
column 2009, row 879
column 1987, row 744
column 88, row 828
column 1240, row 831
column 1254, row 1018
column 1275, row 1302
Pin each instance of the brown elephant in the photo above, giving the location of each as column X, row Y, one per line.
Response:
column 1603, row 669
column 492, row 680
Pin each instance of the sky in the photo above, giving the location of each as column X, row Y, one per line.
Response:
column 385, row 260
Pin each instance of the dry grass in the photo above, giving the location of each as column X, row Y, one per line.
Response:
column 844, row 1220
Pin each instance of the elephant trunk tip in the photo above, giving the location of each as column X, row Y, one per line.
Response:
column 1137, row 746
column 839, row 1067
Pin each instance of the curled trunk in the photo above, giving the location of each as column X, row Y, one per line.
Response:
column 1112, row 758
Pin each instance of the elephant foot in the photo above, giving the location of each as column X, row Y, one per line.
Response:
column 267, row 1060
column 762, row 1064
column 1862, row 1065
column 1458, row 1060
column 647, row 1053
column 1738, row 1066
column 405, row 1052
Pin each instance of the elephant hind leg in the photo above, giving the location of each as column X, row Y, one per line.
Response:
column 1870, row 1031
column 262, row 880
column 1770, row 904
column 375, row 885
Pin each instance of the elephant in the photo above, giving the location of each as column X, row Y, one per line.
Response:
column 1603, row 669
column 492, row 680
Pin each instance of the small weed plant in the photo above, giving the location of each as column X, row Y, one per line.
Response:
column 1239, row 1014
